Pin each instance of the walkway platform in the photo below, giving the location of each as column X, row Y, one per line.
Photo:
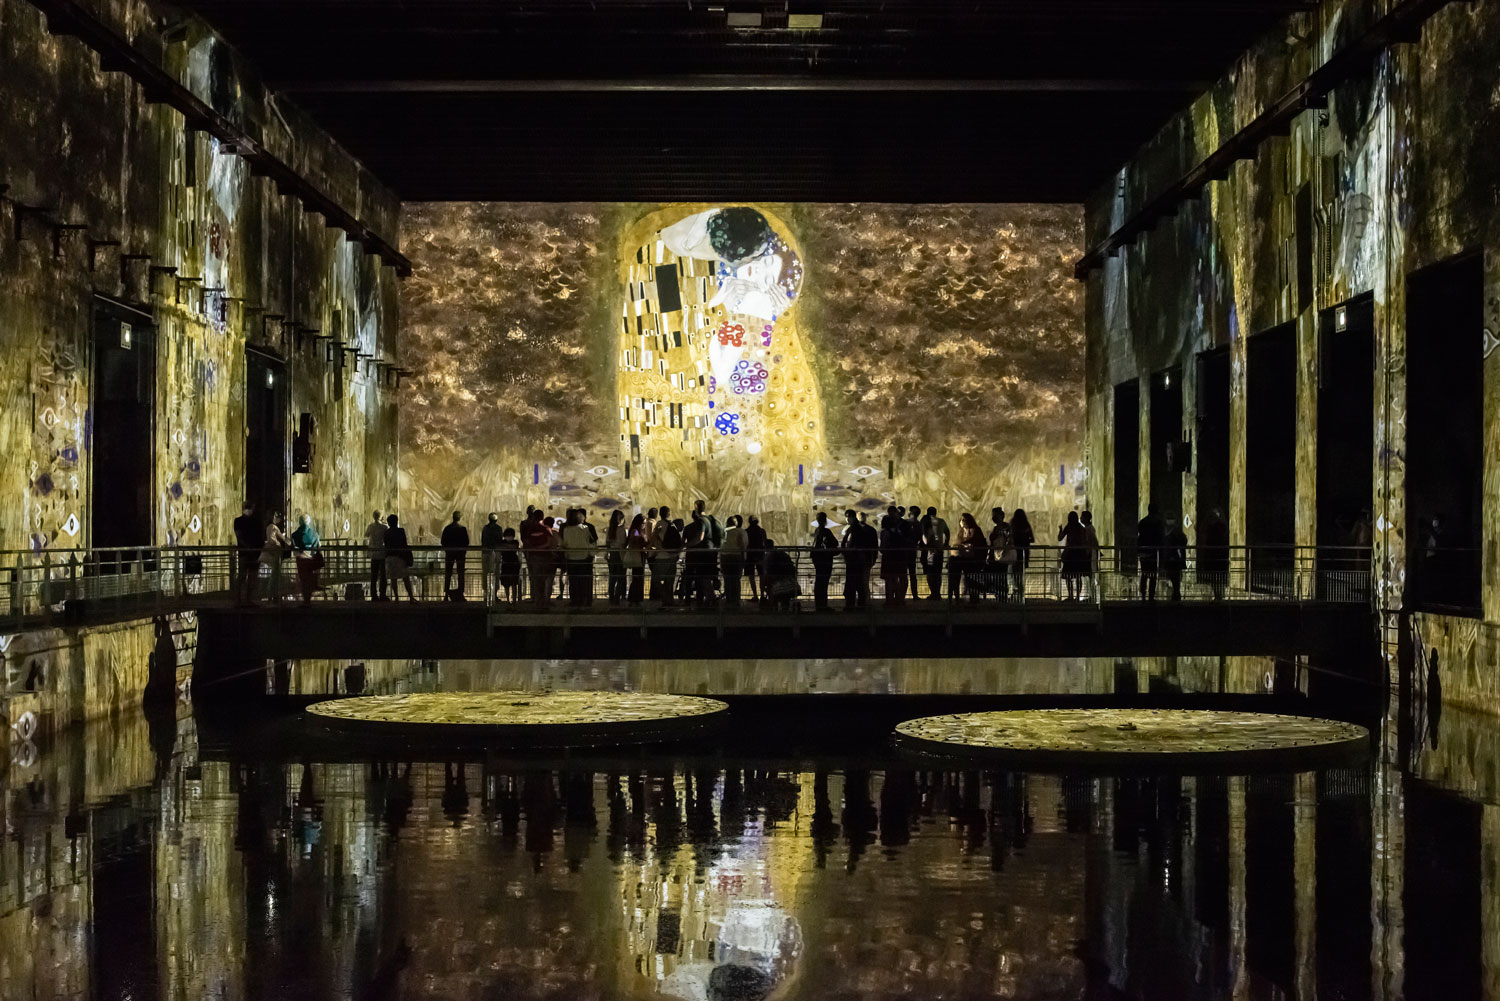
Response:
column 916, row 629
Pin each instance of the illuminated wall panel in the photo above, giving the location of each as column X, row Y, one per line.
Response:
column 767, row 358
column 1392, row 178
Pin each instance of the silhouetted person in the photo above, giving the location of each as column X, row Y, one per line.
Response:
column 615, row 535
column 1150, row 536
column 755, row 553
column 824, row 548
column 732, row 558
column 935, row 539
column 968, row 558
column 1001, row 555
column 510, row 566
column 1022, row 538
column 490, row 537
column 1091, row 539
column 698, row 556
column 248, row 538
column 455, row 542
column 578, row 556
column 1213, row 552
column 1076, row 556
column 1174, row 557
column 536, row 542
column 860, row 545
column 781, row 587
column 375, row 548
column 634, row 559
column 398, row 557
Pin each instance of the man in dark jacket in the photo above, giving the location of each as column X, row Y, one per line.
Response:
column 755, row 555
column 860, row 546
column 248, row 538
column 824, row 547
column 455, row 542
column 1151, row 535
column 489, row 541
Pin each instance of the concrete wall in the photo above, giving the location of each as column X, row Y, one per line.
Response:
column 1401, row 175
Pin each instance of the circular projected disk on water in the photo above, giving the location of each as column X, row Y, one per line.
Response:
column 1147, row 738
column 533, row 718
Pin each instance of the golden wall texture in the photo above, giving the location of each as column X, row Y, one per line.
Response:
column 851, row 356
column 1401, row 177
column 85, row 149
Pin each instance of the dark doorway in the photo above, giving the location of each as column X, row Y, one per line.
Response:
column 1445, row 342
column 1346, row 435
column 1127, row 471
column 122, row 418
column 1444, row 922
column 1271, row 457
column 1213, row 435
column 265, row 433
column 1166, row 440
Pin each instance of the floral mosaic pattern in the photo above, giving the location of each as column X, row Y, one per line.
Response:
column 1131, row 731
column 516, row 709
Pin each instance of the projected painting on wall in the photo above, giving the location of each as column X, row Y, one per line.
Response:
column 715, row 386
column 770, row 359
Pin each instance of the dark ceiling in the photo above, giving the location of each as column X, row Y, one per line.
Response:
column 648, row 100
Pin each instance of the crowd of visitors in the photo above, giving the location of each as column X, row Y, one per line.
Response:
column 699, row 560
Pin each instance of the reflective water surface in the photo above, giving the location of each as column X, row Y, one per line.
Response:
column 173, row 859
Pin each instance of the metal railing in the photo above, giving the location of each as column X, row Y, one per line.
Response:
column 56, row 586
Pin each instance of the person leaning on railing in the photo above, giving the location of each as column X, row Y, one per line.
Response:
column 305, row 542
column 578, row 554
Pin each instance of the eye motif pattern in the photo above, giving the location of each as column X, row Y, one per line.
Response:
column 864, row 471
column 728, row 424
column 731, row 334
column 603, row 471
column 748, row 377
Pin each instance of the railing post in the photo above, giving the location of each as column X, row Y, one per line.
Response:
column 44, row 589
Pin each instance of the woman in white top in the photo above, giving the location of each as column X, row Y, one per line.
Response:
column 732, row 558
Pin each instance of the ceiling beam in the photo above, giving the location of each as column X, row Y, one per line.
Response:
column 739, row 82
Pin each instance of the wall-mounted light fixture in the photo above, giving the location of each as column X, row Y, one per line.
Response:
column 125, row 336
column 270, row 379
column 1341, row 318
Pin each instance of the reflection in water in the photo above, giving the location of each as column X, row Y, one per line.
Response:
column 134, row 866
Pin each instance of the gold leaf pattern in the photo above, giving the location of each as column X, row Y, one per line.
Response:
column 1131, row 731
